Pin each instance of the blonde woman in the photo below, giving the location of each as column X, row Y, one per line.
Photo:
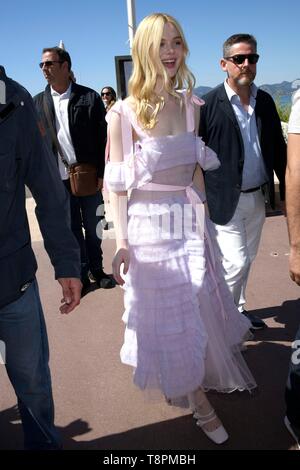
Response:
column 183, row 332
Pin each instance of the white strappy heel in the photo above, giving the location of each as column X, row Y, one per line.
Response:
column 219, row 435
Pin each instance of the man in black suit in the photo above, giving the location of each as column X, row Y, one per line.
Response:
column 77, row 115
column 241, row 124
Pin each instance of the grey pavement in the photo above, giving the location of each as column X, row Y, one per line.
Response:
column 97, row 405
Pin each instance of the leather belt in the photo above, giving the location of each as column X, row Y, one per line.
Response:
column 250, row 190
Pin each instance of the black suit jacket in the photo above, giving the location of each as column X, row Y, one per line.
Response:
column 220, row 130
column 87, row 124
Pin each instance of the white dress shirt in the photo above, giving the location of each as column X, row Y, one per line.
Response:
column 254, row 173
column 61, row 102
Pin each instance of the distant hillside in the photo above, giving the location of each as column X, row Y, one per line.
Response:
column 280, row 92
column 201, row 90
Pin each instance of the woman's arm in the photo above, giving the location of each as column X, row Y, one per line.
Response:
column 198, row 183
column 198, row 178
column 118, row 202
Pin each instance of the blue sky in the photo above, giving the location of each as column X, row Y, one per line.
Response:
column 94, row 31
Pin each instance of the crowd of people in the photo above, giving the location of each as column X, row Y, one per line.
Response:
column 188, row 179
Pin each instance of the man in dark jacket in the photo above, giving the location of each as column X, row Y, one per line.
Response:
column 240, row 123
column 78, row 118
column 25, row 160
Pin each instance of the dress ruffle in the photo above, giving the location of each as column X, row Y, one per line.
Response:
column 133, row 172
column 177, row 336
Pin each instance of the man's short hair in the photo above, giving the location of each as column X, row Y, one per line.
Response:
column 63, row 55
column 237, row 38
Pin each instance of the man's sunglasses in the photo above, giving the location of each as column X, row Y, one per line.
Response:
column 239, row 59
column 106, row 94
column 49, row 63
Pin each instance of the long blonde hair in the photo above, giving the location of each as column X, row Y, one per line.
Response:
column 147, row 66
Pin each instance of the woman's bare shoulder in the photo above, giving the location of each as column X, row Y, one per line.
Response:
column 130, row 102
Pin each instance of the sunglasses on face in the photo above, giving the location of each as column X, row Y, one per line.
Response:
column 106, row 94
column 49, row 63
column 239, row 59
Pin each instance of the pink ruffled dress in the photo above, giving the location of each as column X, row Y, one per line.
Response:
column 183, row 330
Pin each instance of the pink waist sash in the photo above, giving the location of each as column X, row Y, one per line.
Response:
column 192, row 195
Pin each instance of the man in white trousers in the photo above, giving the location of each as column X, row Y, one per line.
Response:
column 241, row 124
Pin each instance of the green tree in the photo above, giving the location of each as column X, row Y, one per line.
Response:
column 284, row 111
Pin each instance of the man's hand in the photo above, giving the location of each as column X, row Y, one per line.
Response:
column 71, row 290
column 121, row 258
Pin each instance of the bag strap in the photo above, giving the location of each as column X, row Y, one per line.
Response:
column 54, row 138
